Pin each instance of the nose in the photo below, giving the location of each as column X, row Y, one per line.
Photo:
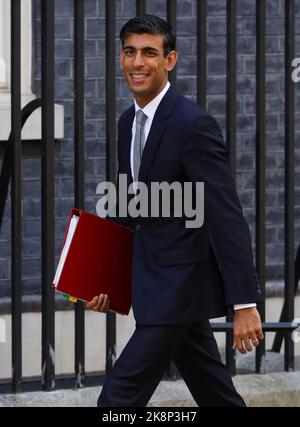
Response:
column 138, row 60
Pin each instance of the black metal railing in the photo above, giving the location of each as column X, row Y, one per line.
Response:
column 261, row 162
column 16, row 200
column 79, row 153
column 231, row 136
column 111, row 147
column 289, row 168
column 284, row 315
column 48, row 312
column 12, row 169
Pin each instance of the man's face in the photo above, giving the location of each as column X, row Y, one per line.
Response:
column 145, row 67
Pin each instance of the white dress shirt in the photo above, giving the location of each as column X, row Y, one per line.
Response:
column 150, row 110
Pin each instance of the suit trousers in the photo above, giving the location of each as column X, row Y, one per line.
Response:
column 138, row 370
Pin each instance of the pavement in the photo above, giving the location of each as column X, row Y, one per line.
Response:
column 267, row 390
column 271, row 389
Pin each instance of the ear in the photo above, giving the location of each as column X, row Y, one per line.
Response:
column 171, row 60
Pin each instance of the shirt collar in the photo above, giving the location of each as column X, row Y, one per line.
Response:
column 151, row 107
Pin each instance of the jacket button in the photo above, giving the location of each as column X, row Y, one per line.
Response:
column 138, row 227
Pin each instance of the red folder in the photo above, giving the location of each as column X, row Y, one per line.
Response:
column 96, row 259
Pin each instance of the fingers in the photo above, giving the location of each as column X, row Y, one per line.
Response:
column 256, row 337
column 238, row 345
column 102, row 304
column 253, row 338
column 246, row 342
column 90, row 304
column 259, row 334
column 247, row 329
column 99, row 303
column 242, row 344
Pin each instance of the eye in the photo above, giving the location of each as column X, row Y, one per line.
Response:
column 129, row 52
column 150, row 53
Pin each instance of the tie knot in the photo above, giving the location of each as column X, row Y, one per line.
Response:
column 140, row 118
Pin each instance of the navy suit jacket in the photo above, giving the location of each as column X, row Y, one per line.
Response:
column 183, row 275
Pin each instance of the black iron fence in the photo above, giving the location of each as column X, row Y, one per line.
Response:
column 11, row 170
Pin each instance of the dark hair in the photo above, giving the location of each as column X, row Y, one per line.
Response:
column 150, row 24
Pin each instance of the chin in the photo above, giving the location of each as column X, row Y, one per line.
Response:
column 137, row 87
column 139, row 91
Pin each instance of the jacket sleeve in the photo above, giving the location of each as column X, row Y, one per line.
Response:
column 205, row 159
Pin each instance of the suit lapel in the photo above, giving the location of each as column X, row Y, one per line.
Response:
column 156, row 132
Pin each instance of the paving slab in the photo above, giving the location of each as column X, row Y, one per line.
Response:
column 274, row 389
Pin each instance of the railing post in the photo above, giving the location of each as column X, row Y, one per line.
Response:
column 141, row 6
column 111, row 150
column 48, row 211
column 79, row 170
column 16, row 196
column 289, row 270
column 231, row 134
column 201, row 52
column 172, row 18
column 261, row 164
column 279, row 336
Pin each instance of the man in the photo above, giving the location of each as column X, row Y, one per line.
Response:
column 181, row 276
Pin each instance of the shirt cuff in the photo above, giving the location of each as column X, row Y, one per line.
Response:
column 241, row 306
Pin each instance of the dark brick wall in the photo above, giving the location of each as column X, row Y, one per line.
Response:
column 216, row 101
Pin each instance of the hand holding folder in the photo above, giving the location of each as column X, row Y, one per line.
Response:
column 96, row 259
column 99, row 303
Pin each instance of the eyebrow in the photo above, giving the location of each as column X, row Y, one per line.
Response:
column 153, row 49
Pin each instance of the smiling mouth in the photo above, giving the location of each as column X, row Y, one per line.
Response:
column 138, row 76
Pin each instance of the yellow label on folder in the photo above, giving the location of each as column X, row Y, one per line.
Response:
column 73, row 299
